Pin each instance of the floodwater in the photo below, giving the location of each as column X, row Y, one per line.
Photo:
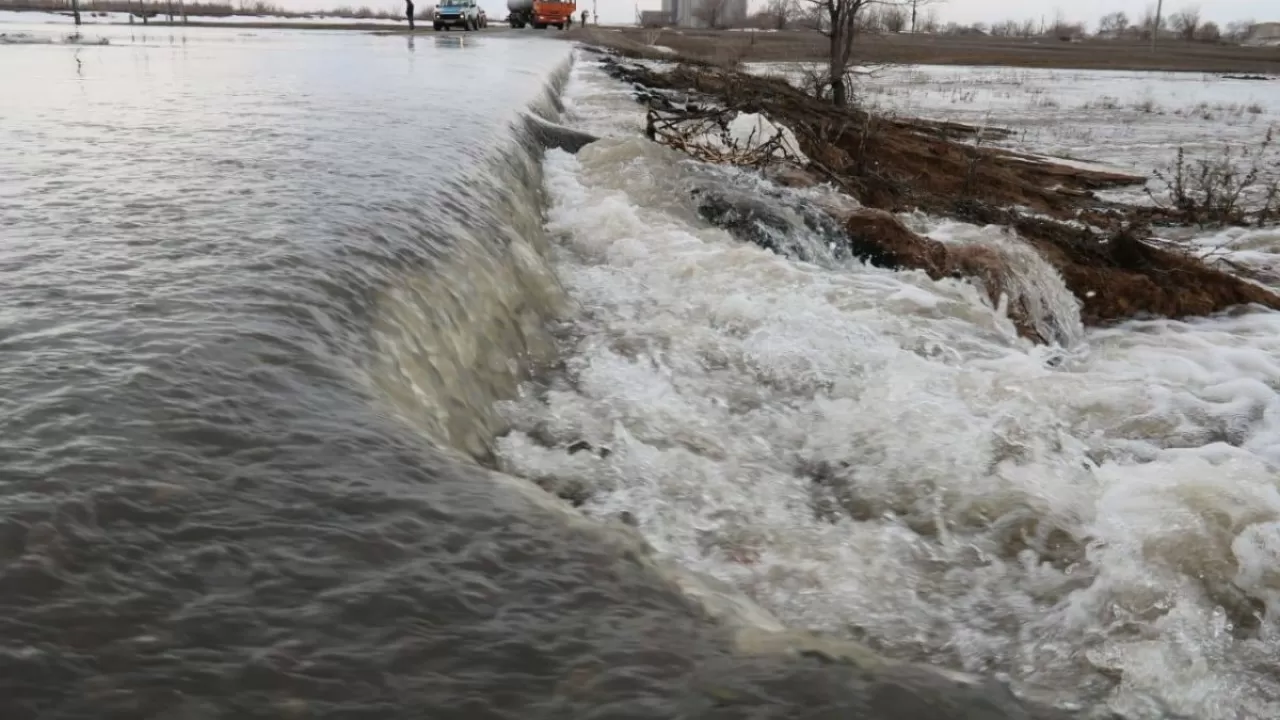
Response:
column 215, row 248
column 290, row 323
column 260, row 295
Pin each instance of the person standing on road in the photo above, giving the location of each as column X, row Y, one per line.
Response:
column 584, row 18
column 408, row 10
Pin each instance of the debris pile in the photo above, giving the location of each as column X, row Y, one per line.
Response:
column 725, row 136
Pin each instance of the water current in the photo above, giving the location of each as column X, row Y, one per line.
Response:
column 879, row 456
column 276, row 308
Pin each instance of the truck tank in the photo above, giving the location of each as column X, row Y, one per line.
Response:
column 550, row 14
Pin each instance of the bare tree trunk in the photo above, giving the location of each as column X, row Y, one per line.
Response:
column 914, row 6
column 839, row 63
column 838, row 21
column 75, row 10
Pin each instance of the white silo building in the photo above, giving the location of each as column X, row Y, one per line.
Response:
column 696, row 13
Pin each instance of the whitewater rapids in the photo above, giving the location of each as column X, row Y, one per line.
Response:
column 878, row 456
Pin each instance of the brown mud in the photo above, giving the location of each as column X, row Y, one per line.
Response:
column 1102, row 250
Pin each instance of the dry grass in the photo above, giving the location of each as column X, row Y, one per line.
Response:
column 1232, row 187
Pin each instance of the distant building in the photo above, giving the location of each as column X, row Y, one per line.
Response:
column 1265, row 34
column 701, row 13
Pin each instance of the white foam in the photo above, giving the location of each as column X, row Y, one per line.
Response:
column 873, row 453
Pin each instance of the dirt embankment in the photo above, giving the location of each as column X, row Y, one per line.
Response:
column 1101, row 249
column 803, row 45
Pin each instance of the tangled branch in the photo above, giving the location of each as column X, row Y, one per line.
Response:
column 706, row 135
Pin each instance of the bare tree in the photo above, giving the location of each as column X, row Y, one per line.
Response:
column 838, row 20
column 1061, row 27
column 1209, row 32
column 1239, row 30
column 928, row 23
column 915, row 6
column 872, row 21
column 808, row 16
column 781, row 12
column 712, row 12
column 1114, row 23
column 1008, row 28
column 1186, row 22
column 894, row 19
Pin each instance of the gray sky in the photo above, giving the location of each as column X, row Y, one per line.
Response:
column 965, row 11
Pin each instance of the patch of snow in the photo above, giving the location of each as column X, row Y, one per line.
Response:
column 1131, row 121
column 750, row 130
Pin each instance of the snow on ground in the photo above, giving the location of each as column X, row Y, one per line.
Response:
column 1126, row 120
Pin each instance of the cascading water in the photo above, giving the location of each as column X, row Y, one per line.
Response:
column 263, row 308
column 456, row 335
column 879, row 456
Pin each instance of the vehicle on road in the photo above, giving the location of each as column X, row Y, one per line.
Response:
column 465, row 14
column 540, row 13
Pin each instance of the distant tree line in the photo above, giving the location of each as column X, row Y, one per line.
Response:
column 890, row 16
column 898, row 16
column 1184, row 24
column 204, row 9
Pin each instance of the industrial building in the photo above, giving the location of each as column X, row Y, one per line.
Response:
column 1265, row 34
column 704, row 13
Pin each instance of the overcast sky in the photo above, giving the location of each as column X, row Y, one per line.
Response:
column 964, row 11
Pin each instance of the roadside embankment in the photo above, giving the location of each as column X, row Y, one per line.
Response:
column 1103, row 249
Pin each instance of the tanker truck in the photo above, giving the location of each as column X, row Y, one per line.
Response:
column 540, row 13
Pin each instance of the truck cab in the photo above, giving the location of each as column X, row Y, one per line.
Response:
column 457, row 13
column 540, row 14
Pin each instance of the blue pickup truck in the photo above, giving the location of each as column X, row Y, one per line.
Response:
column 465, row 14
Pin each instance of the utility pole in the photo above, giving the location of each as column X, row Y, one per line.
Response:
column 1155, row 31
column 595, row 14
column 75, row 11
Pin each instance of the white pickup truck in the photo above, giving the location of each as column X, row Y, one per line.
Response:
column 458, row 13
